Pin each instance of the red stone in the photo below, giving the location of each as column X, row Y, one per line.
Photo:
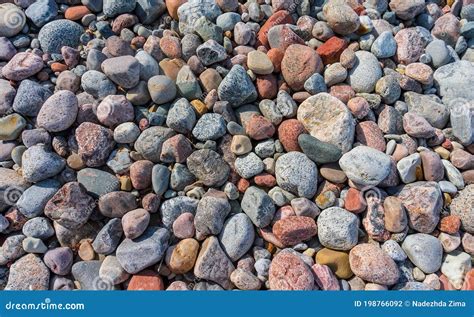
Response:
column 124, row 21
column 288, row 133
column 342, row 92
column 276, row 55
column 289, row 272
column 267, row 86
column 331, row 50
column 76, row 13
column 450, row 224
column 265, row 180
column 176, row 149
column 325, row 278
column 171, row 46
column 354, row 202
column 369, row 133
column 58, row 67
column 242, row 185
column 280, row 17
column 146, row 280
column 293, row 230
column 140, row 174
column 259, row 128
column 299, row 63
column 468, row 281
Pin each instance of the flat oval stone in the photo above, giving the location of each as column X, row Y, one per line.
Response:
column 58, row 112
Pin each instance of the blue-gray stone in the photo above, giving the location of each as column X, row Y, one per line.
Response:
column 59, row 33
column 149, row 10
column 237, row 87
column 30, row 97
column 210, row 126
column 160, row 177
column 144, row 251
column 228, row 20
column 237, row 236
column 97, row 182
column 172, row 208
column 112, row 8
column 315, row 84
column 258, row 206
column 33, row 200
column 42, row 11
column 384, row 46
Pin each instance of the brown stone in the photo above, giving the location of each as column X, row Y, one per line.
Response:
column 184, row 256
column 298, row 64
column 288, row 133
column 331, row 50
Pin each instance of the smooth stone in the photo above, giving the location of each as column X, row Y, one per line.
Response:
column 148, row 249
column 296, row 173
column 237, row 236
column 424, row 251
column 39, row 164
column 366, row 166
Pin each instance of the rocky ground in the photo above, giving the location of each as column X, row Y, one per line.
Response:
column 218, row 144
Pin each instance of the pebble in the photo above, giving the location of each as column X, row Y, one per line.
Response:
column 58, row 112
column 162, row 89
column 210, row 214
column 148, row 249
column 460, row 207
column 71, row 206
column 39, row 164
column 28, row 273
column 331, row 124
column 296, row 173
column 289, row 272
column 135, row 222
column 58, row 33
column 108, row 237
column 298, row 64
column 365, row 166
column 237, row 88
column 293, row 230
column 209, row 167
column 237, row 236
column 184, row 256
column 212, row 263
column 371, row 264
column 424, row 251
column 423, row 202
column 365, row 73
column 59, row 260
column 95, row 143
column 258, row 206
column 337, row 228
column 384, row 45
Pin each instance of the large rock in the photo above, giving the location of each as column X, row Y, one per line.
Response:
column 338, row 228
column 328, row 119
column 209, row 167
column 28, row 273
column 40, row 164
